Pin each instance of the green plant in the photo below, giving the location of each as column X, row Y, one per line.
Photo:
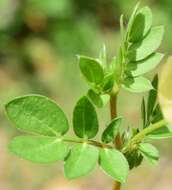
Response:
column 119, row 150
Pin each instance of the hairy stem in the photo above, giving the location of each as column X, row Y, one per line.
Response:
column 140, row 136
column 117, row 140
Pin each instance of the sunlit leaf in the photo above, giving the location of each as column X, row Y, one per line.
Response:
column 81, row 161
column 114, row 164
column 37, row 114
column 147, row 46
column 141, row 25
column 160, row 136
column 39, row 149
column 91, row 69
column 138, row 84
column 131, row 20
column 145, row 65
column 149, row 152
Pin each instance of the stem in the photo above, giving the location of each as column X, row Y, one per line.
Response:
column 140, row 136
column 91, row 142
column 117, row 140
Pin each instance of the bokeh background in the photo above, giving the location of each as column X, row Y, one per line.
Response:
column 39, row 41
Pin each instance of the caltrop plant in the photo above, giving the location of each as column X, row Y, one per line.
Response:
column 119, row 150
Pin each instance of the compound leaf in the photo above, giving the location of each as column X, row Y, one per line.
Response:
column 81, row 161
column 39, row 149
column 112, row 130
column 114, row 164
column 37, row 114
column 85, row 120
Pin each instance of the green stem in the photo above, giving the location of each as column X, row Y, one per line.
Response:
column 117, row 140
column 113, row 110
column 140, row 136
column 81, row 141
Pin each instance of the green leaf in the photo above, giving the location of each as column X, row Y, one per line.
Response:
column 114, row 164
column 160, row 136
column 39, row 149
column 160, row 131
column 143, row 112
column 91, row 69
column 108, row 83
column 141, row 25
column 149, row 152
column 145, row 65
column 156, row 118
column 98, row 99
column 85, row 120
column 147, row 46
column 157, row 114
column 152, row 97
column 138, row 84
column 149, row 149
column 112, row 130
column 81, row 161
column 132, row 18
column 151, row 160
column 37, row 114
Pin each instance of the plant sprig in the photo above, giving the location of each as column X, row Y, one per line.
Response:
column 47, row 125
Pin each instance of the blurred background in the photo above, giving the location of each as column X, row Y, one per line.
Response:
column 39, row 41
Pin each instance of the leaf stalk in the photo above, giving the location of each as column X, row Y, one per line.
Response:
column 132, row 144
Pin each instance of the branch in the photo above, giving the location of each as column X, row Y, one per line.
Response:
column 140, row 136
column 117, row 140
